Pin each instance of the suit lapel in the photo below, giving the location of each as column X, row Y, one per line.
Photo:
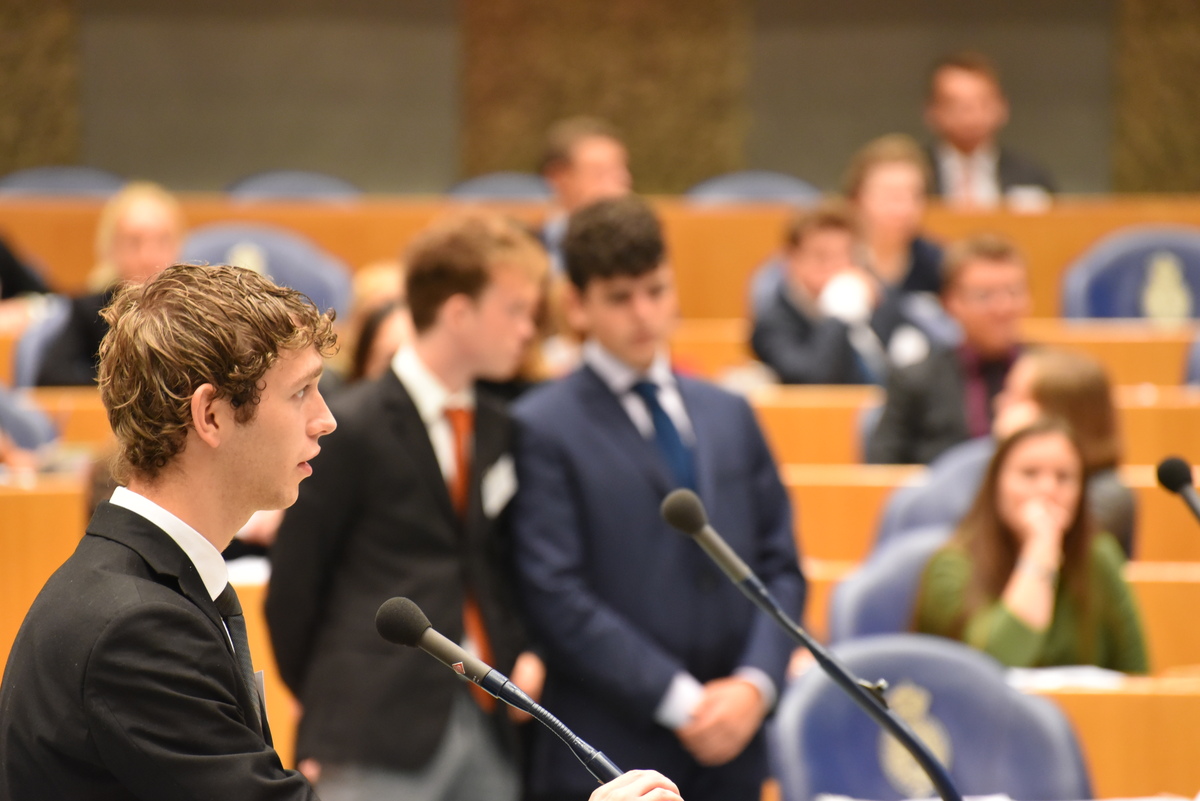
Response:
column 606, row 409
column 703, row 451
column 406, row 422
column 166, row 558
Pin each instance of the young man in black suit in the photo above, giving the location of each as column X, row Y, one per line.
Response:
column 131, row 677
column 406, row 501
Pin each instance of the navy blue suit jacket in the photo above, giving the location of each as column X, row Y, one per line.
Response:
column 620, row 602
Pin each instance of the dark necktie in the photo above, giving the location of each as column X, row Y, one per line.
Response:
column 231, row 611
column 666, row 436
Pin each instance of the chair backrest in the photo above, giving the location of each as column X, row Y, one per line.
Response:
column 1192, row 372
column 879, row 597
column 750, row 186
column 991, row 738
column 943, row 496
column 31, row 347
column 293, row 185
column 25, row 424
column 61, row 181
column 500, row 186
column 1140, row 271
column 286, row 257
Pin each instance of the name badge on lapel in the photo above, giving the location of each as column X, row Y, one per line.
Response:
column 498, row 486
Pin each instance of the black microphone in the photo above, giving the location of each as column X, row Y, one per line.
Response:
column 1175, row 475
column 683, row 510
column 401, row 621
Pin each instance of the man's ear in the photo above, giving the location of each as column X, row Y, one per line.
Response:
column 210, row 416
column 573, row 308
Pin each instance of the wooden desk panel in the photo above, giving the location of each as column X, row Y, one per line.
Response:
column 1139, row 740
column 78, row 413
column 814, row 424
column 714, row 249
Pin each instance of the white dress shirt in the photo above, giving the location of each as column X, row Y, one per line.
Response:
column 969, row 179
column 204, row 555
column 432, row 399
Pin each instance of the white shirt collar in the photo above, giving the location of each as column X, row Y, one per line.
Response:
column 620, row 377
column 428, row 393
column 204, row 555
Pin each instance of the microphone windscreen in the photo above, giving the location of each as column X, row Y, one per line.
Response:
column 683, row 510
column 401, row 621
column 1174, row 474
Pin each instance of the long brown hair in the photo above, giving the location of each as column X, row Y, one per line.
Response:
column 1075, row 387
column 992, row 547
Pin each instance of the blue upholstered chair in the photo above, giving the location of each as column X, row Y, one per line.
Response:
column 990, row 737
column 502, row 186
column 36, row 338
column 879, row 597
column 753, row 186
column 61, row 181
column 1157, row 265
column 288, row 258
column 293, row 185
column 944, row 496
column 25, row 424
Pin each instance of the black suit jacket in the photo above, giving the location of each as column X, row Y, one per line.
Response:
column 122, row 683
column 375, row 521
column 924, row 413
column 1012, row 169
column 804, row 350
column 72, row 359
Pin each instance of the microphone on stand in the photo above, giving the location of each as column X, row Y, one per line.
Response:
column 1175, row 475
column 401, row 621
column 683, row 510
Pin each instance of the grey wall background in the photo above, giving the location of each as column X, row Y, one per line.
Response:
column 198, row 95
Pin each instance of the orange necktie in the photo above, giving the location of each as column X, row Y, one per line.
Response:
column 462, row 422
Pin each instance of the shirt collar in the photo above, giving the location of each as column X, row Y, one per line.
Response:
column 620, row 377
column 427, row 391
column 987, row 155
column 203, row 554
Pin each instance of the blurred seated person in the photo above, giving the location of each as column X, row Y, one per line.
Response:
column 18, row 278
column 584, row 160
column 384, row 331
column 1046, row 382
column 947, row 397
column 966, row 109
column 1027, row 578
column 817, row 327
column 886, row 182
column 24, row 429
column 140, row 232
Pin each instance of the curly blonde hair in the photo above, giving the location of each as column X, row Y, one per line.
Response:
column 187, row 326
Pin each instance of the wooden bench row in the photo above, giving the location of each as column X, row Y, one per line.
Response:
column 713, row 248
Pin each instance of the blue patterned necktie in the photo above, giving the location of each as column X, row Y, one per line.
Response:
column 666, row 436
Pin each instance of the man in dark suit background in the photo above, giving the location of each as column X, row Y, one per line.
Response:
column 583, row 160
column 947, row 398
column 649, row 651
column 405, row 502
column 966, row 110
column 131, row 676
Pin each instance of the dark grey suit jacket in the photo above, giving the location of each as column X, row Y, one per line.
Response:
column 1012, row 169
column 924, row 412
column 375, row 521
column 122, row 683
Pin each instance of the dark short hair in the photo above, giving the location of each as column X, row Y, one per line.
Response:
column 457, row 256
column 619, row 236
column 565, row 134
column 830, row 215
column 968, row 61
column 988, row 247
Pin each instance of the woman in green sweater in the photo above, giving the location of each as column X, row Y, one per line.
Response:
column 1026, row 578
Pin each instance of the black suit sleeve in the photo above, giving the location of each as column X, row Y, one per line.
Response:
column 71, row 359
column 305, row 555
column 160, row 699
column 892, row 440
column 16, row 277
column 803, row 352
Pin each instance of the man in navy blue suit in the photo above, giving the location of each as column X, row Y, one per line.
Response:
column 651, row 654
